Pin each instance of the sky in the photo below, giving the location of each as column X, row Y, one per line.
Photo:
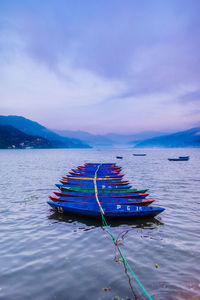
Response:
column 101, row 65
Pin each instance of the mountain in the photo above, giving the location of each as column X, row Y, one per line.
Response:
column 33, row 128
column 109, row 139
column 187, row 138
column 131, row 138
column 11, row 137
column 92, row 139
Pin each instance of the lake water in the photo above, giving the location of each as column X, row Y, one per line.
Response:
column 44, row 255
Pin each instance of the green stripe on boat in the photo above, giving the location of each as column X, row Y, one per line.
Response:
column 103, row 190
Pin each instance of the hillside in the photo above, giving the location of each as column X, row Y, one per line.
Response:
column 33, row 128
column 187, row 138
column 11, row 137
column 131, row 138
column 92, row 139
column 109, row 139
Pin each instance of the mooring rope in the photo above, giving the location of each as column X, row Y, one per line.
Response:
column 112, row 236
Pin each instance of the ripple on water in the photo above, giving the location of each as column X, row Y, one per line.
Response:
column 46, row 256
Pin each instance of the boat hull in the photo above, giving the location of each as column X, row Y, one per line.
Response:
column 92, row 168
column 103, row 182
column 105, row 190
column 92, row 178
column 85, row 171
column 91, row 185
column 89, row 175
column 178, row 159
column 139, row 202
column 110, row 210
column 105, row 195
column 102, row 165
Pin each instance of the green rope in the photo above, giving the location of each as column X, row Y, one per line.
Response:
column 113, row 238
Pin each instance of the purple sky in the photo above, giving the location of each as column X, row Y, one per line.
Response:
column 101, row 66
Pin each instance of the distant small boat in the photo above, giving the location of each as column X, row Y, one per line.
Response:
column 180, row 158
column 119, row 157
column 184, row 157
column 139, row 154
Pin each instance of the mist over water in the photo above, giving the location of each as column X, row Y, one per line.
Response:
column 47, row 256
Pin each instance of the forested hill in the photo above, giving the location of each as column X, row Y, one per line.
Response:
column 33, row 128
column 187, row 138
column 11, row 137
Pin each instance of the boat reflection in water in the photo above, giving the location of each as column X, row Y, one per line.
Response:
column 92, row 222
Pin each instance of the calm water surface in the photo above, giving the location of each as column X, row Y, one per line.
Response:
column 44, row 255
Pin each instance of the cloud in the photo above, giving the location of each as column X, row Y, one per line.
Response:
column 193, row 96
column 43, row 95
column 105, row 66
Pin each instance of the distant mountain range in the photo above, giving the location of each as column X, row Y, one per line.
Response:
column 91, row 139
column 20, row 132
column 109, row 139
column 13, row 138
column 187, row 138
column 35, row 129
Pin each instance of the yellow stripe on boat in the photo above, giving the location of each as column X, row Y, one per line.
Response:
column 91, row 178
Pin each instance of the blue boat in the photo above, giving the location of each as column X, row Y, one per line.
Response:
column 140, row 202
column 92, row 175
column 108, row 182
column 100, row 164
column 180, row 158
column 91, row 185
column 93, row 170
column 105, row 195
column 110, row 210
column 184, row 157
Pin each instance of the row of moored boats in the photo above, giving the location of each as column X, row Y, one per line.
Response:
column 114, row 195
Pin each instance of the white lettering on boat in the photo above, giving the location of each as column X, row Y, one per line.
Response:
column 118, row 206
column 128, row 207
